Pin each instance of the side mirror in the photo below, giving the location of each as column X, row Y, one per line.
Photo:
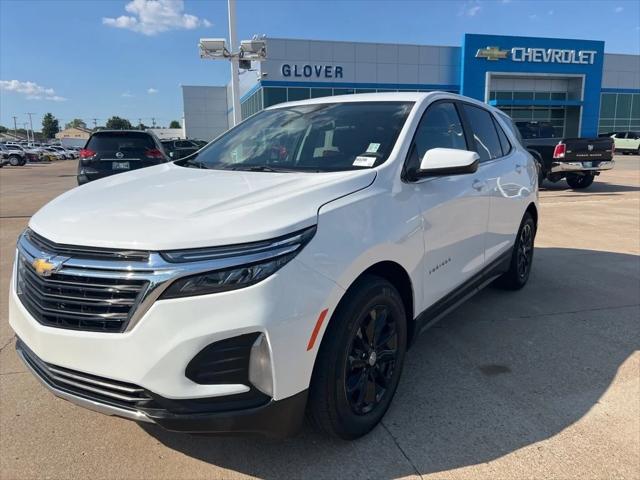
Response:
column 448, row 161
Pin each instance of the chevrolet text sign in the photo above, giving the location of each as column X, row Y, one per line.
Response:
column 539, row 55
column 552, row 55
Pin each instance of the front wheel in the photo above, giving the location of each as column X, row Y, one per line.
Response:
column 360, row 360
column 14, row 160
column 578, row 182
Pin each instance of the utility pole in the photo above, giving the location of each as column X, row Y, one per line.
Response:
column 33, row 138
column 235, row 74
column 95, row 123
column 153, row 121
column 15, row 127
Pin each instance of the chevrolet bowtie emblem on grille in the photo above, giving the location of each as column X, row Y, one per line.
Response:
column 45, row 267
column 492, row 53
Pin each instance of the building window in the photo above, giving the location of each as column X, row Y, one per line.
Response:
column 294, row 94
column 619, row 111
column 274, row 95
column 321, row 92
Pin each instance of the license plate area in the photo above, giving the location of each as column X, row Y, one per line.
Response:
column 120, row 165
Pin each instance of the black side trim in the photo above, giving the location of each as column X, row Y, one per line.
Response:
column 449, row 302
column 281, row 418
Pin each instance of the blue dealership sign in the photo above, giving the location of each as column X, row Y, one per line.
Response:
column 483, row 55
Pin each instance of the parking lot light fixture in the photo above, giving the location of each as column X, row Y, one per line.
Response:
column 248, row 51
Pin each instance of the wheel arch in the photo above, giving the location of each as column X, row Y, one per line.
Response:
column 395, row 274
column 533, row 210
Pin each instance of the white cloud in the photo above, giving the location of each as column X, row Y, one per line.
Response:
column 550, row 12
column 533, row 16
column 618, row 9
column 31, row 90
column 127, row 95
column 470, row 8
column 152, row 91
column 151, row 17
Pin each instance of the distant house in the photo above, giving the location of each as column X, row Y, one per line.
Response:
column 73, row 136
column 10, row 137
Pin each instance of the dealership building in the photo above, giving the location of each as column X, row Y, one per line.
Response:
column 571, row 84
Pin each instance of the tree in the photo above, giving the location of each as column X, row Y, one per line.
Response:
column 174, row 124
column 3, row 129
column 117, row 123
column 50, row 126
column 142, row 126
column 76, row 123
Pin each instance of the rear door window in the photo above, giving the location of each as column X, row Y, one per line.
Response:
column 484, row 132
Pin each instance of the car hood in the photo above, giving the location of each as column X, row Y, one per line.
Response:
column 171, row 207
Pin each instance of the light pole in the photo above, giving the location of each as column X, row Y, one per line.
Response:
column 33, row 138
column 238, row 55
column 235, row 74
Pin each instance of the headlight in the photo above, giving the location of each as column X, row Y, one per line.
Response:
column 244, row 265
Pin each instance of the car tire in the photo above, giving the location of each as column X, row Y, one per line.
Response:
column 15, row 160
column 359, row 361
column 521, row 256
column 579, row 182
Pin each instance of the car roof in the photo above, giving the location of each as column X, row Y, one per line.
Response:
column 416, row 97
column 121, row 131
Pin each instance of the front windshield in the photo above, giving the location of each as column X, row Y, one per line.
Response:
column 320, row 138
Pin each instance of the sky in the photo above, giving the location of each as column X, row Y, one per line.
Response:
column 98, row 58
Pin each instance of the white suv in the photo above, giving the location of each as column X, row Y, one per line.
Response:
column 285, row 267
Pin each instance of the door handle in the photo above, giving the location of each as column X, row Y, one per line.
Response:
column 478, row 185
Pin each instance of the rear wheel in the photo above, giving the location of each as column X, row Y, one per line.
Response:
column 360, row 360
column 521, row 257
column 578, row 182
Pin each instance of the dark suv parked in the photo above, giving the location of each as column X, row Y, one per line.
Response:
column 108, row 152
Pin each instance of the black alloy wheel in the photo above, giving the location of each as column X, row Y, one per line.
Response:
column 521, row 260
column 359, row 362
column 524, row 253
column 371, row 360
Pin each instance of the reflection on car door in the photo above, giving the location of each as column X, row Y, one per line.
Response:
column 504, row 169
column 454, row 208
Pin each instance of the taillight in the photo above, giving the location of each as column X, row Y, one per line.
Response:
column 153, row 153
column 559, row 151
column 86, row 153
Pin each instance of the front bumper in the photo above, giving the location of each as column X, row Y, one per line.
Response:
column 586, row 166
column 274, row 418
column 155, row 352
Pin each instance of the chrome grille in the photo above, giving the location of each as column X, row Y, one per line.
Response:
column 88, row 386
column 77, row 302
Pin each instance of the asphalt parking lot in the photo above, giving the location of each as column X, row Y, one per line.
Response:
column 542, row 383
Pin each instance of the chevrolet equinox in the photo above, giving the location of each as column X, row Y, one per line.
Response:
column 284, row 268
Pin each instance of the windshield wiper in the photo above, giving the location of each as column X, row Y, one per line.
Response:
column 258, row 168
column 192, row 162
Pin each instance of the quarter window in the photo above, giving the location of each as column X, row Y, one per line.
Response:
column 484, row 132
column 504, row 141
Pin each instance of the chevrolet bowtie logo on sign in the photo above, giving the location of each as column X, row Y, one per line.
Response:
column 492, row 53
column 46, row 267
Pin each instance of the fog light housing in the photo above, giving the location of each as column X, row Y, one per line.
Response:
column 260, row 372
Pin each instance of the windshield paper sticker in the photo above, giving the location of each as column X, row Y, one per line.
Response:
column 364, row 161
column 373, row 147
